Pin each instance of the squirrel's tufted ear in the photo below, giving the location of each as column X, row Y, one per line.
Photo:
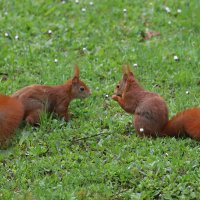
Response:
column 124, row 69
column 130, row 73
column 75, row 79
column 129, row 68
column 76, row 71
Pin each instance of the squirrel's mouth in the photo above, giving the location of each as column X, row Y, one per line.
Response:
column 119, row 95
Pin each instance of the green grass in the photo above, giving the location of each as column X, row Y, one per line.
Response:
column 97, row 154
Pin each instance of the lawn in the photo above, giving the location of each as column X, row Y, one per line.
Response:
column 97, row 155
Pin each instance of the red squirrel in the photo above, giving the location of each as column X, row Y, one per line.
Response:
column 28, row 103
column 11, row 115
column 151, row 112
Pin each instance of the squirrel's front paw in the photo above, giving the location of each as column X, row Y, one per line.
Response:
column 115, row 97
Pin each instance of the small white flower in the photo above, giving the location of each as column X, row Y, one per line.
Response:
column 91, row 3
column 6, row 34
column 84, row 49
column 125, row 10
column 187, row 92
column 179, row 10
column 83, row 9
column 135, row 65
column 166, row 154
column 16, row 37
column 167, row 9
column 49, row 32
column 76, row 1
column 106, row 96
column 55, row 60
column 141, row 130
column 176, row 58
column 129, row 167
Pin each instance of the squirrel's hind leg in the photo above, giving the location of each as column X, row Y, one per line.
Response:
column 33, row 117
column 146, row 126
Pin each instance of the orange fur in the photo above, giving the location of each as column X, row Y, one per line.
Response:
column 151, row 113
column 11, row 115
column 29, row 102
column 184, row 123
column 76, row 71
column 52, row 99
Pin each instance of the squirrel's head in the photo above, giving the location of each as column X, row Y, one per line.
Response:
column 127, row 74
column 79, row 88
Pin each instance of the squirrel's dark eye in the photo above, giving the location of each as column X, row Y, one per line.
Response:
column 118, row 86
column 82, row 89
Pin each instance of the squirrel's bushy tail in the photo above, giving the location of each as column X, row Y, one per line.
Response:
column 186, row 123
column 11, row 115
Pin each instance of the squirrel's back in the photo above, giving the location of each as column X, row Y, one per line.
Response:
column 11, row 115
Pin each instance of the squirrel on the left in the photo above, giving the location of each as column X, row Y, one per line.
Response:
column 28, row 103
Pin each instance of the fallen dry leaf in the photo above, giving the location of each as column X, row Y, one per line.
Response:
column 146, row 35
